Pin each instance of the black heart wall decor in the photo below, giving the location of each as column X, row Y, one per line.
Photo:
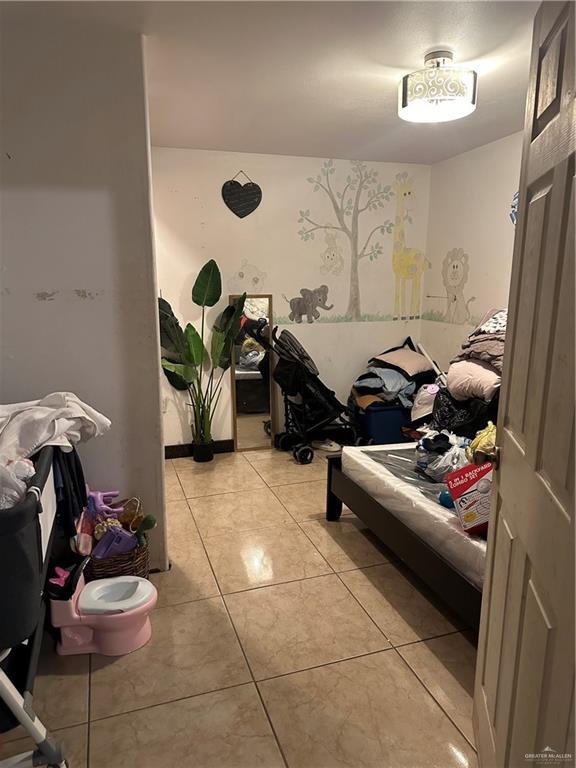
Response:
column 242, row 199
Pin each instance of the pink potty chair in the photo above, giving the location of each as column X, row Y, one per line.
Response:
column 107, row 616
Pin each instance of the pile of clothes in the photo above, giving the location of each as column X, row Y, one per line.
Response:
column 470, row 398
column 393, row 377
column 383, row 395
column 62, row 420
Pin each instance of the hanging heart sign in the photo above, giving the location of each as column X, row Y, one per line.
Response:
column 242, row 199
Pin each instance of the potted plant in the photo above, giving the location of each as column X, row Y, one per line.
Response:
column 186, row 361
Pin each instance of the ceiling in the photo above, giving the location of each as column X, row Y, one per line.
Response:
column 320, row 78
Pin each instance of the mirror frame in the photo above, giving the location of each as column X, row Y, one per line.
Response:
column 273, row 415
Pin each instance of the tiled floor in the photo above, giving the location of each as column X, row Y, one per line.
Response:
column 280, row 640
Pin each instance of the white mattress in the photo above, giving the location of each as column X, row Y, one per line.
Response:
column 438, row 527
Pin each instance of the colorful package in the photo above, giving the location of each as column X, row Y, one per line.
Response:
column 470, row 488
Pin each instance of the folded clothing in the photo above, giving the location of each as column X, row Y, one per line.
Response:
column 386, row 384
column 472, row 378
column 495, row 324
column 486, row 343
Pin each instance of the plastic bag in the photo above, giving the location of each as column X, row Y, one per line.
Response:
column 484, row 441
column 454, row 458
column 12, row 480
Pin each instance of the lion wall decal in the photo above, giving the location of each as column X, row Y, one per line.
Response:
column 455, row 269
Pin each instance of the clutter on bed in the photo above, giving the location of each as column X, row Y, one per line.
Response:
column 439, row 453
column 402, row 506
column 382, row 397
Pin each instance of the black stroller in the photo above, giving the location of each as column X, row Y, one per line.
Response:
column 311, row 410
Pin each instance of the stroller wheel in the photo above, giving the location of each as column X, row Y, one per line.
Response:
column 268, row 427
column 303, row 454
column 283, row 441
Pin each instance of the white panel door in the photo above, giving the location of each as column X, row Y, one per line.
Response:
column 523, row 702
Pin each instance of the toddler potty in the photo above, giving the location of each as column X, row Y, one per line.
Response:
column 107, row 616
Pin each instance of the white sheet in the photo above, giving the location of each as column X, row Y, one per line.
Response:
column 434, row 524
column 58, row 419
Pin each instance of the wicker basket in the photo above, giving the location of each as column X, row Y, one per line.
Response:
column 133, row 563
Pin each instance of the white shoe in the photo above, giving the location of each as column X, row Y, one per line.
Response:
column 326, row 445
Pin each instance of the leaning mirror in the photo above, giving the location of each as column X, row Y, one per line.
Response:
column 252, row 391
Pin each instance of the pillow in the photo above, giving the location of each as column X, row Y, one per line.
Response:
column 406, row 361
column 472, row 378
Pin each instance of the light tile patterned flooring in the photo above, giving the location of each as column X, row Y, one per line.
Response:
column 280, row 640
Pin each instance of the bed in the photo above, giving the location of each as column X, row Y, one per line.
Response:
column 405, row 516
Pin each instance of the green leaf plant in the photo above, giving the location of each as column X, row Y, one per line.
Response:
column 186, row 361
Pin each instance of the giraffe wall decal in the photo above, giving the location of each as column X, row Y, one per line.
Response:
column 408, row 263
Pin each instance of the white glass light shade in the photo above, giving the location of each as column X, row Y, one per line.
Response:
column 437, row 95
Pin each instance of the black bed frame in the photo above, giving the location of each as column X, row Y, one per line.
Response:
column 452, row 587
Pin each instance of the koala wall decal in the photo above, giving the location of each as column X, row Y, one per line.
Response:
column 332, row 257
column 248, row 277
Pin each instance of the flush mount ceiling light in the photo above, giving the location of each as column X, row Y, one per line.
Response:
column 438, row 93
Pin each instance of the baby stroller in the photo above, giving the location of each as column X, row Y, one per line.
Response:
column 311, row 410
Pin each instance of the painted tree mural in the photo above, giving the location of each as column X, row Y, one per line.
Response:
column 361, row 193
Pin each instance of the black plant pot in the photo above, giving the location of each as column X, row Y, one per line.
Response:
column 203, row 451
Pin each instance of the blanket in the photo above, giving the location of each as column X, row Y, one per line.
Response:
column 58, row 419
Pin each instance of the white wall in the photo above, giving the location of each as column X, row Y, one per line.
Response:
column 470, row 202
column 78, row 308
column 192, row 225
column 468, row 199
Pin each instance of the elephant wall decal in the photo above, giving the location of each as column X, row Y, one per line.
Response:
column 307, row 304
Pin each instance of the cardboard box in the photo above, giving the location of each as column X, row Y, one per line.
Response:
column 470, row 488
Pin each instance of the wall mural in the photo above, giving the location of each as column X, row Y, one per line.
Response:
column 408, row 263
column 248, row 278
column 455, row 272
column 361, row 193
column 307, row 304
column 333, row 257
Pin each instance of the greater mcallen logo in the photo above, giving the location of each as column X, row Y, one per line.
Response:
column 549, row 755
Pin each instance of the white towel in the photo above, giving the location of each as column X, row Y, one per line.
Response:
column 60, row 418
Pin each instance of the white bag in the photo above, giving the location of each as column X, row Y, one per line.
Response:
column 454, row 458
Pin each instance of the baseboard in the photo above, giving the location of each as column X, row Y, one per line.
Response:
column 181, row 451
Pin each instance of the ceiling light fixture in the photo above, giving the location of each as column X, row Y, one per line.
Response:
column 438, row 93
